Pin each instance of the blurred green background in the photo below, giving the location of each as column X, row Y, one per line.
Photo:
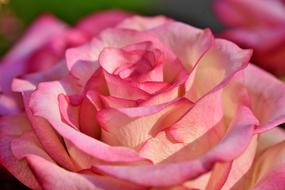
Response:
column 20, row 13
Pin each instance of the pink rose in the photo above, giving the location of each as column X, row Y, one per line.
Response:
column 149, row 103
column 257, row 24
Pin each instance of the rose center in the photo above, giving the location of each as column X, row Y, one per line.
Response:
column 137, row 62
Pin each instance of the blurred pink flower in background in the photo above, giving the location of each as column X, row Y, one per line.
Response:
column 257, row 24
column 129, row 102
column 10, row 25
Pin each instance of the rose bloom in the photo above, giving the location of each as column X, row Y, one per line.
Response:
column 257, row 24
column 143, row 103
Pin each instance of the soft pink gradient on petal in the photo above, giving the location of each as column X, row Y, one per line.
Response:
column 69, row 112
column 11, row 128
column 44, row 103
column 51, row 176
column 188, row 44
column 266, row 94
column 30, row 81
column 163, row 174
column 133, row 126
column 240, row 166
column 223, row 60
column 47, row 136
column 267, row 171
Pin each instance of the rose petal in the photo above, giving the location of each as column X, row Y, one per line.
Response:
column 195, row 123
column 170, row 174
column 12, row 127
column 140, row 62
column 163, row 149
column 87, row 118
column 79, row 58
column 26, row 144
column 188, row 43
column 268, row 169
column 69, row 113
column 132, row 126
column 238, row 168
column 52, row 176
column 274, row 181
column 82, row 61
column 48, row 137
column 159, row 148
column 223, row 61
column 269, row 55
column 30, row 81
column 266, row 96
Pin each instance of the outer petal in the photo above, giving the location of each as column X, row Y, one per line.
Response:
column 270, row 138
column 15, row 62
column 48, row 137
column 127, row 89
column 238, row 168
column 270, row 54
column 53, row 177
column 11, row 128
column 69, row 112
column 140, row 62
column 196, row 121
column 223, row 61
column 132, row 126
column 30, row 81
column 170, row 174
column 274, row 181
column 187, row 42
column 88, row 122
column 159, row 148
column 268, row 170
column 82, row 61
column 266, row 96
